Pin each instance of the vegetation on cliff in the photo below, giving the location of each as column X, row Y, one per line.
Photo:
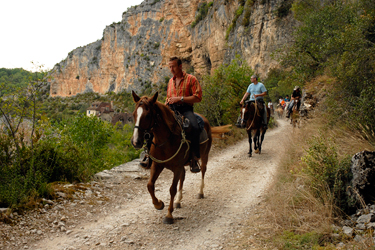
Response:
column 202, row 12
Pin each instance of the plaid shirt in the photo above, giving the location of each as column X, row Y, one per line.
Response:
column 189, row 86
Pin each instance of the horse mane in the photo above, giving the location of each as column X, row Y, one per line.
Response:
column 167, row 116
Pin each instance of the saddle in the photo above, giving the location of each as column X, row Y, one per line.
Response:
column 203, row 137
column 260, row 105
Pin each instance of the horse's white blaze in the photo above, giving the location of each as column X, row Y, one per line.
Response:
column 243, row 113
column 139, row 114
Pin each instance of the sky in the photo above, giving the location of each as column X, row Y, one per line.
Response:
column 45, row 31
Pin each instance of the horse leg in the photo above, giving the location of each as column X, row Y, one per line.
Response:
column 256, row 141
column 250, row 139
column 261, row 140
column 204, row 158
column 154, row 174
column 177, row 203
column 172, row 190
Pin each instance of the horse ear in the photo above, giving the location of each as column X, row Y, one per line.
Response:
column 154, row 98
column 135, row 97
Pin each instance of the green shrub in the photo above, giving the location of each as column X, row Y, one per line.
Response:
column 279, row 83
column 73, row 150
column 237, row 14
column 327, row 171
column 284, row 9
column 246, row 18
column 202, row 13
column 223, row 91
column 336, row 38
column 292, row 240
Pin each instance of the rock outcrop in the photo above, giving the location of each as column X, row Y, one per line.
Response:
column 133, row 54
column 363, row 182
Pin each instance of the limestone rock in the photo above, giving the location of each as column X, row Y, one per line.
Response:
column 134, row 52
column 363, row 182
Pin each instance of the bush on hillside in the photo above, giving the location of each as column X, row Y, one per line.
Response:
column 328, row 173
column 223, row 91
column 336, row 38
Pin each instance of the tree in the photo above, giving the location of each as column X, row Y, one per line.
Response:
column 222, row 92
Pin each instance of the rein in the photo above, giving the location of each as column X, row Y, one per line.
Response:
column 183, row 140
column 255, row 114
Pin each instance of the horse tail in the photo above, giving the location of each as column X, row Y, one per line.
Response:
column 218, row 131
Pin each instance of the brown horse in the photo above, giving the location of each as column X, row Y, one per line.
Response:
column 279, row 111
column 169, row 148
column 251, row 118
column 294, row 115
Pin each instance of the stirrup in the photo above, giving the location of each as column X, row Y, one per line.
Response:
column 146, row 162
column 194, row 166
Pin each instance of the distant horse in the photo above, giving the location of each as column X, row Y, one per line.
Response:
column 279, row 111
column 251, row 118
column 170, row 149
column 285, row 108
column 294, row 115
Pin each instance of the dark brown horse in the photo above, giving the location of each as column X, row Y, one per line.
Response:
column 251, row 119
column 294, row 115
column 169, row 148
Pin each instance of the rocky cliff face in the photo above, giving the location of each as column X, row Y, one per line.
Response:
column 134, row 53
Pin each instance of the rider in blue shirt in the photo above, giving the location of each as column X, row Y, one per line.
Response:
column 256, row 91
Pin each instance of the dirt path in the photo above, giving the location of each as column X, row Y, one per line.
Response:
column 122, row 215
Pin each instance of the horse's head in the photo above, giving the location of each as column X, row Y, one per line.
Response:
column 246, row 112
column 295, row 105
column 144, row 118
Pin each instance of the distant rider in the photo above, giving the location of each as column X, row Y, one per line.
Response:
column 256, row 91
column 296, row 96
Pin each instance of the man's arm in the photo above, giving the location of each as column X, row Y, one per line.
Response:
column 263, row 94
column 245, row 96
column 187, row 99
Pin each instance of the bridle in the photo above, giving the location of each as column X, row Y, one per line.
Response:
column 148, row 130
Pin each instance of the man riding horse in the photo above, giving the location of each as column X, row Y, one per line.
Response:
column 183, row 91
column 296, row 97
column 257, row 90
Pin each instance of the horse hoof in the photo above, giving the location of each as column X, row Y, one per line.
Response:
column 177, row 205
column 168, row 220
column 161, row 206
column 200, row 196
column 250, row 155
column 256, row 151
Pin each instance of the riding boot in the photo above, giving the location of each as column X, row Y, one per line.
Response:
column 194, row 167
column 146, row 162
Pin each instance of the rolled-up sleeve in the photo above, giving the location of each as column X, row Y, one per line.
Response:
column 263, row 88
column 196, row 88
